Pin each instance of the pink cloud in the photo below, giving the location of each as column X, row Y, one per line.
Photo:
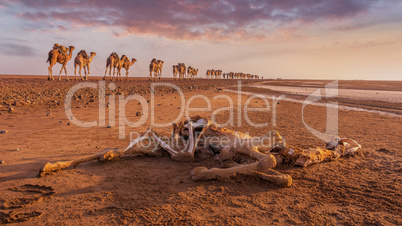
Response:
column 216, row 20
column 359, row 44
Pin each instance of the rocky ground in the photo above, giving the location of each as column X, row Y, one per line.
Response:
column 34, row 129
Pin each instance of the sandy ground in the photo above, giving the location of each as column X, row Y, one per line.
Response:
column 365, row 189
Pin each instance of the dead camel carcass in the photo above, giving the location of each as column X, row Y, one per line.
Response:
column 198, row 134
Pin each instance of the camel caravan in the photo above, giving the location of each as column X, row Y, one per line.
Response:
column 155, row 68
column 180, row 69
column 61, row 54
column 214, row 74
column 113, row 61
column 217, row 74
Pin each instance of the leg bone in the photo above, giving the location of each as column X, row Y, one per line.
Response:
column 261, row 168
column 105, row 155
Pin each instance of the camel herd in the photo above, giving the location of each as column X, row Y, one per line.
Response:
column 240, row 75
column 180, row 69
column 118, row 63
column 231, row 75
column 61, row 54
column 155, row 68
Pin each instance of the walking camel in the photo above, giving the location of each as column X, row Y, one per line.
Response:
column 208, row 74
column 160, row 66
column 155, row 69
column 112, row 61
column 182, row 71
column 56, row 55
column 192, row 72
column 124, row 63
column 175, row 71
column 83, row 61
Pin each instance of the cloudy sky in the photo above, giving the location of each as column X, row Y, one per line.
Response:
column 330, row 39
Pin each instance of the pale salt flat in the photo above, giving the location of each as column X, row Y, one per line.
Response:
column 355, row 94
column 395, row 97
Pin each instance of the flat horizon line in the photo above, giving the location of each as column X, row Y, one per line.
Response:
column 171, row 77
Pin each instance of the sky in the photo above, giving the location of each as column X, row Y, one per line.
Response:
column 289, row 39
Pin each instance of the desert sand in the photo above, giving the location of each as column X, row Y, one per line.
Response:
column 364, row 189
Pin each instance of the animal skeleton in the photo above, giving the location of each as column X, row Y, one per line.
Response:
column 198, row 134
